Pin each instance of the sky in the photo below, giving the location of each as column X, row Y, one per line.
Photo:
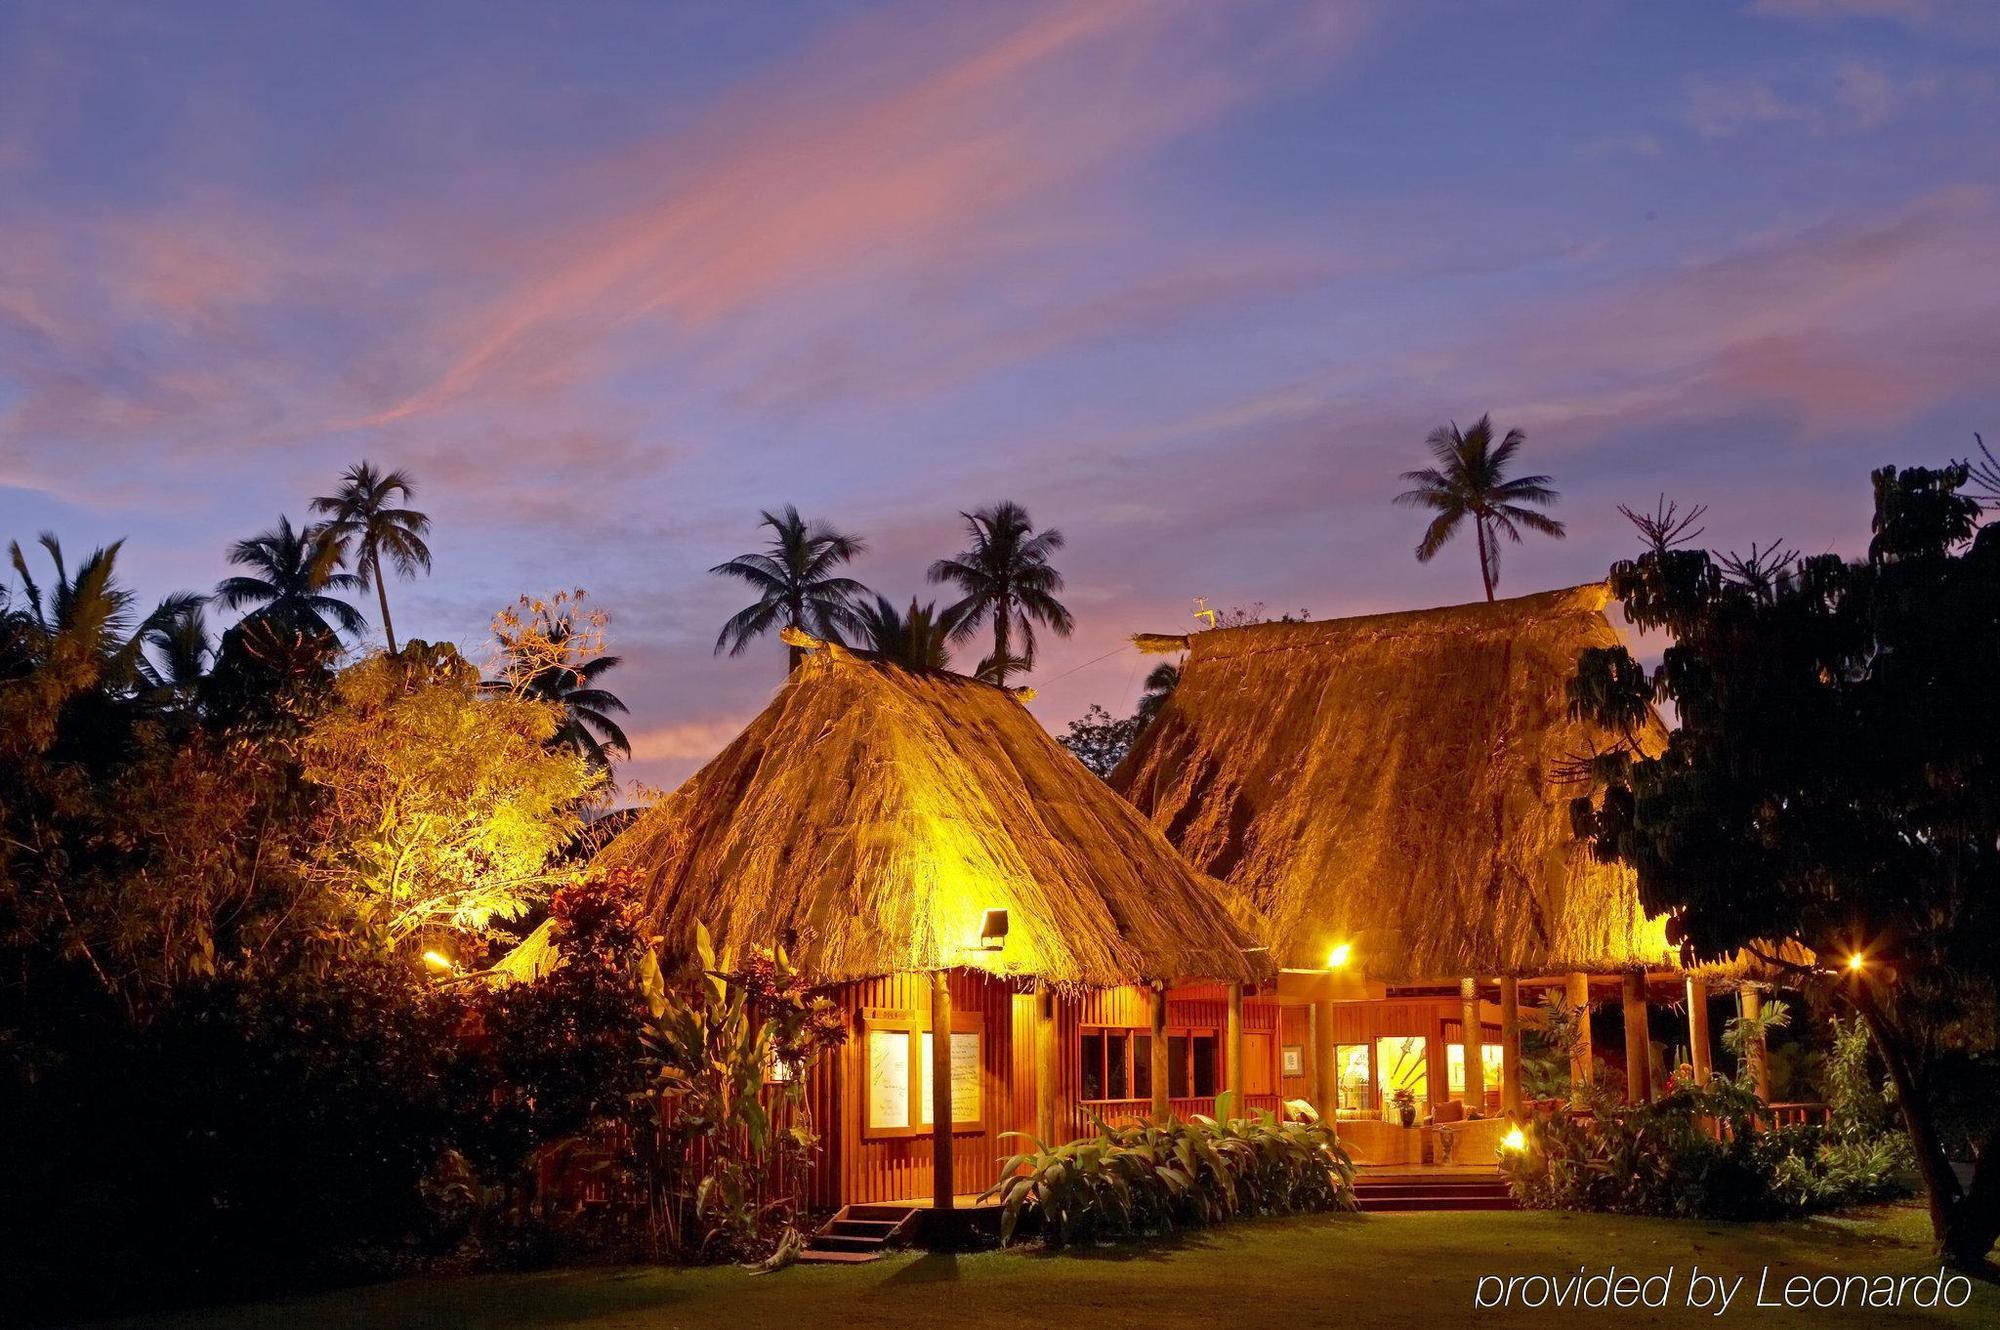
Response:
column 1191, row 282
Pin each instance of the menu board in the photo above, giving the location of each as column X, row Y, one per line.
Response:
column 964, row 1077
column 889, row 1077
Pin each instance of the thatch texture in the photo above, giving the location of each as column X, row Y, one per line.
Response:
column 530, row 959
column 1395, row 782
column 868, row 817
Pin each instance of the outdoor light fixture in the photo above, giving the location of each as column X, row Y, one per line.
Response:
column 1514, row 1141
column 1337, row 958
column 993, row 930
column 437, row 960
column 1855, row 962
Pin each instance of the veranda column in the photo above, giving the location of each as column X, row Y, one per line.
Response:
column 1237, row 1080
column 1698, row 1029
column 1760, row 1054
column 1637, row 1042
column 1326, row 1076
column 1579, row 1054
column 1510, row 1047
column 1159, row 1050
column 941, row 1170
column 1048, row 1063
column 1471, row 1037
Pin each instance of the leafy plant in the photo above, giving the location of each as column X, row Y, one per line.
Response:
column 710, row 1044
column 1698, row 1152
column 1133, row 1180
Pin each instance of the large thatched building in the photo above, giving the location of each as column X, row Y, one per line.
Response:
column 980, row 901
column 1392, row 793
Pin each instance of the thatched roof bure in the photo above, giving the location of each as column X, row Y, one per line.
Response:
column 1396, row 782
column 868, row 817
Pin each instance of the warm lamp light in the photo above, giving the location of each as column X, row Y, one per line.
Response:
column 1338, row 957
column 437, row 960
column 1515, row 1140
column 1855, row 962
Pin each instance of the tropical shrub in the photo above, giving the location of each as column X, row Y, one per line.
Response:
column 721, row 1177
column 1699, row 1153
column 1133, row 1180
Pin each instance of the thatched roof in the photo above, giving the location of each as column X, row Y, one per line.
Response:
column 869, row 817
column 1394, row 782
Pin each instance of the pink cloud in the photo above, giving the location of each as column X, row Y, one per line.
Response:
column 807, row 181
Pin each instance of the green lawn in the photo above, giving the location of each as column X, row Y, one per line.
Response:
column 1415, row 1270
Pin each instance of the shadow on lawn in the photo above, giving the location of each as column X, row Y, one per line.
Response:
column 1165, row 1247
column 938, row 1267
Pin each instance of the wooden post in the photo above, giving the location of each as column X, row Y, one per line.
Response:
column 1159, row 1050
column 1510, row 1047
column 1580, row 1076
column 942, row 1189
column 1698, row 1029
column 1472, row 1037
column 1048, row 1065
column 1237, row 1079
column 1325, row 1074
column 1760, row 1055
column 1638, row 1043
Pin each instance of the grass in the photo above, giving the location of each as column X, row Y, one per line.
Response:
column 1415, row 1270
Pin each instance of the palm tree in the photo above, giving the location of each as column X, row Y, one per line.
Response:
column 919, row 641
column 292, row 574
column 795, row 584
column 549, row 673
column 1007, row 579
column 85, row 621
column 1160, row 685
column 1470, row 480
column 361, row 511
column 182, row 653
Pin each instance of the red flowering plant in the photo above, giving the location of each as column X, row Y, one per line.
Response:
column 729, row 1155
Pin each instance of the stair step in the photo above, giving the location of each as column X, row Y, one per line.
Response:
column 1434, row 1191
column 842, row 1257
column 839, row 1242
column 1408, row 1203
column 861, row 1228
column 894, row 1214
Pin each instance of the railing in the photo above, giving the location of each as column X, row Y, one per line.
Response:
column 1798, row 1115
column 1124, row 1112
column 1790, row 1114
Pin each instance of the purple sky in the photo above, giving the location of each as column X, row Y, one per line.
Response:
column 1190, row 281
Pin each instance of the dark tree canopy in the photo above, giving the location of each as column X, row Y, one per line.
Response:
column 1833, row 782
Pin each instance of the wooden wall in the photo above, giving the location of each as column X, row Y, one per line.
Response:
column 854, row 1169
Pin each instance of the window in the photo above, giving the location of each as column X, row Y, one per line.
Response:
column 1204, row 1064
column 1489, row 1059
column 1094, row 1079
column 1117, row 1065
column 1402, row 1062
column 1354, row 1088
column 899, row 1072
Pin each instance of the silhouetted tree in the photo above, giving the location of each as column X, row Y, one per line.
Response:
column 294, row 581
column 919, row 641
column 1831, row 784
column 362, row 515
column 1470, row 480
column 795, row 584
column 1008, row 581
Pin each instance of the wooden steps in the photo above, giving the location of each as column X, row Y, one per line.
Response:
column 859, row 1233
column 1392, row 1191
